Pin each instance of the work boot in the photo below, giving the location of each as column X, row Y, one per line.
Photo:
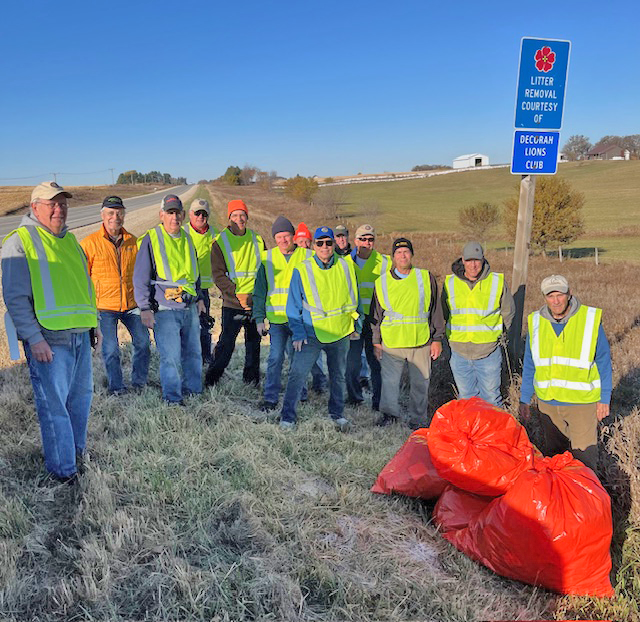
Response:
column 212, row 377
column 342, row 423
column 266, row 407
column 286, row 425
column 386, row 420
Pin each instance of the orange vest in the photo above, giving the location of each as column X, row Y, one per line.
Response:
column 111, row 269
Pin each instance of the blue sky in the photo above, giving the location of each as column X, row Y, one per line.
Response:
column 327, row 88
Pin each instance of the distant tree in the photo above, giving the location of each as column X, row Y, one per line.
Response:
column 301, row 188
column 232, row 176
column 610, row 139
column 428, row 167
column 632, row 143
column 330, row 199
column 329, row 180
column 128, row 177
column 576, row 147
column 557, row 213
column 478, row 220
column 166, row 178
column 248, row 174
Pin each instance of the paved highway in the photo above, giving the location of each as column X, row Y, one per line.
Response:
column 90, row 214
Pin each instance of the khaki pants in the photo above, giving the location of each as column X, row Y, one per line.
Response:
column 573, row 427
column 392, row 364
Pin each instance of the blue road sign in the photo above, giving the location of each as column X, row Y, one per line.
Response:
column 542, row 79
column 535, row 153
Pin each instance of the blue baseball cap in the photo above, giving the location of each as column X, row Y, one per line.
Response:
column 323, row 232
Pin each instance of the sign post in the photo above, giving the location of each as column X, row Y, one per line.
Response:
column 542, row 81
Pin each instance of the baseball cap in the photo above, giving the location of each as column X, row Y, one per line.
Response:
column 365, row 230
column 47, row 190
column 341, row 230
column 200, row 205
column 323, row 232
column 555, row 283
column 113, row 202
column 472, row 250
column 401, row 243
column 171, row 203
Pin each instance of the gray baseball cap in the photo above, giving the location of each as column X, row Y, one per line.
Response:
column 555, row 283
column 472, row 250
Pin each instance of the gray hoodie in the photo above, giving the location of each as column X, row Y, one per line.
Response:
column 476, row 351
column 18, row 297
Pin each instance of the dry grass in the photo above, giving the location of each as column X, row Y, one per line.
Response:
column 213, row 513
column 15, row 199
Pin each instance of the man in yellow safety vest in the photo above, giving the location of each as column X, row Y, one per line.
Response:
column 236, row 255
column 368, row 264
column 323, row 313
column 270, row 301
column 202, row 233
column 166, row 286
column 568, row 365
column 408, row 328
column 478, row 307
column 51, row 308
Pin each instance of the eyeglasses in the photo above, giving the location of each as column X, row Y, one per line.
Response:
column 321, row 243
column 52, row 204
column 202, row 213
column 366, row 239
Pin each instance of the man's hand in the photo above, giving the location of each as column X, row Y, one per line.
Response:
column 602, row 411
column 98, row 345
column 245, row 301
column 377, row 350
column 354, row 336
column 436, row 350
column 42, row 352
column 260, row 326
column 297, row 344
column 147, row 318
column 525, row 412
column 200, row 307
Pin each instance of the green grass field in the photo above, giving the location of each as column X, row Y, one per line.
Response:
column 611, row 211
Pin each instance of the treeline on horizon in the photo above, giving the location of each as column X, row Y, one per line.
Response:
column 153, row 177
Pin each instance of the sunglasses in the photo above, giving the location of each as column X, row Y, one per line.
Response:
column 366, row 239
column 321, row 243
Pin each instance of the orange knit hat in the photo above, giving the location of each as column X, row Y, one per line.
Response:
column 302, row 232
column 236, row 204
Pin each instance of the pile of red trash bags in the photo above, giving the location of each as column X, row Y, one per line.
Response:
column 543, row 521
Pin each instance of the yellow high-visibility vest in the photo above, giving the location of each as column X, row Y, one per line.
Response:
column 203, row 242
column 175, row 259
column 243, row 256
column 332, row 313
column 374, row 266
column 63, row 293
column 405, row 323
column 565, row 368
column 474, row 313
column 278, row 272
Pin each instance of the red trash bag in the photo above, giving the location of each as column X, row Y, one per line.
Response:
column 410, row 471
column 552, row 528
column 457, row 508
column 478, row 447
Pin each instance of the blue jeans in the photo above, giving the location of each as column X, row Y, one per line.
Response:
column 478, row 378
column 301, row 366
column 177, row 334
column 280, row 344
column 111, row 349
column 62, row 391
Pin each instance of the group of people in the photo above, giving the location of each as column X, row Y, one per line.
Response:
column 310, row 293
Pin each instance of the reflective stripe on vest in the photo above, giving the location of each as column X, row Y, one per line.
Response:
column 203, row 242
column 405, row 323
column 63, row 293
column 376, row 265
column 333, row 314
column 474, row 313
column 241, row 270
column 185, row 262
column 565, row 368
column 278, row 272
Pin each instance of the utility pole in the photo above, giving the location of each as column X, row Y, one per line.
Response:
column 521, row 265
column 55, row 177
column 113, row 183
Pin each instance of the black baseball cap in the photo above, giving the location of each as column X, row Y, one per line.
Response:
column 113, row 202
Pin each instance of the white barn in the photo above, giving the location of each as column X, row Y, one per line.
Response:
column 471, row 160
